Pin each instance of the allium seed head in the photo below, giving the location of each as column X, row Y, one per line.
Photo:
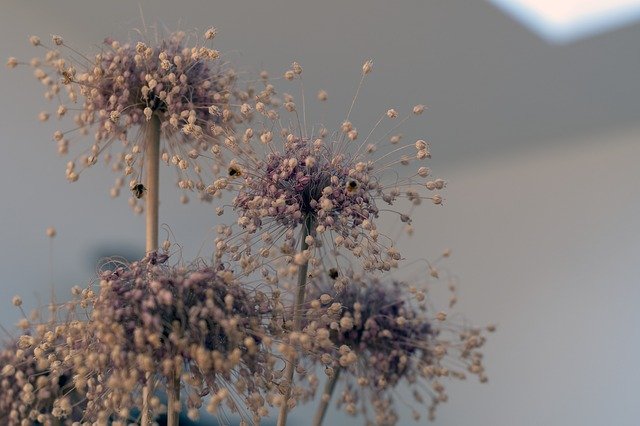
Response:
column 381, row 336
column 150, row 318
column 292, row 178
column 120, row 89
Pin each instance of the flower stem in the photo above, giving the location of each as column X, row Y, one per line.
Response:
column 308, row 226
column 152, row 166
column 326, row 397
column 173, row 405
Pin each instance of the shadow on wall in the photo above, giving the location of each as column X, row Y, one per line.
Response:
column 106, row 256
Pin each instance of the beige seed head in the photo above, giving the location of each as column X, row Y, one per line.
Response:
column 367, row 67
column 433, row 272
column 245, row 109
column 210, row 33
column 8, row 370
column 418, row 109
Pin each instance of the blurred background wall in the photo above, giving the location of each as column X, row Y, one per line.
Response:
column 538, row 142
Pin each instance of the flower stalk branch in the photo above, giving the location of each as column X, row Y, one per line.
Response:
column 151, row 164
column 309, row 224
column 326, row 397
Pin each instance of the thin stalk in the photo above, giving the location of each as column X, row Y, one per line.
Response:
column 152, row 167
column 326, row 397
column 173, row 407
column 308, row 226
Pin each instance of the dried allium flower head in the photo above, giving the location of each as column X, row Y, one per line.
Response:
column 377, row 334
column 35, row 386
column 179, row 81
column 152, row 319
column 330, row 184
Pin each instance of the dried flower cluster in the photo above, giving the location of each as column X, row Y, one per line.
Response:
column 377, row 334
column 326, row 182
column 147, row 319
column 32, row 389
column 124, row 87
column 308, row 203
column 150, row 318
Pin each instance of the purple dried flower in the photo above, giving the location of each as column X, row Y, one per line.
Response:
column 150, row 318
column 375, row 335
column 181, row 81
column 328, row 182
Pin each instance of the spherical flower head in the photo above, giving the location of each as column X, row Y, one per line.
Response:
column 150, row 318
column 302, row 181
column 380, row 335
column 121, row 91
column 382, row 328
column 330, row 187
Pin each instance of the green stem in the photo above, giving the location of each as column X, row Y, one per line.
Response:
column 326, row 397
column 303, row 269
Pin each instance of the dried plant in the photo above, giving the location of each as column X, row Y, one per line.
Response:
column 318, row 188
column 192, row 324
column 116, row 94
column 327, row 183
column 308, row 202
column 30, row 390
column 377, row 334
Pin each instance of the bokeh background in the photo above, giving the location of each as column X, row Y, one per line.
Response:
column 539, row 142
